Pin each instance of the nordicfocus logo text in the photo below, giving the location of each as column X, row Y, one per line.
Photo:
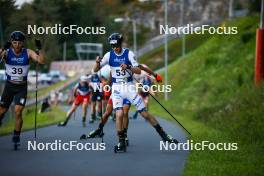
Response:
column 191, row 29
column 65, row 30
column 58, row 145
column 203, row 145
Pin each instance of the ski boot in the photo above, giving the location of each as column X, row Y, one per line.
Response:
column 135, row 115
column 98, row 133
column 62, row 124
column 121, row 146
column 166, row 137
column 92, row 119
column 126, row 139
column 114, row 117
column 83, row 122
column 16, row 141
column 99, row 116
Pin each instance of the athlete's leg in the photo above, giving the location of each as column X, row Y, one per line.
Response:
column 99, row 108
column 6, row 99
column 126, row 108
column 152, row 120
column 119, row 127
column 118, row 99
column 93, row 107
column 99, row 130
column 18, row 117
column 2, row 113
column 146, row 101
column 69, row 114
column 72, row 110
column 84, row 111
column 107, row 113
column 140, row 106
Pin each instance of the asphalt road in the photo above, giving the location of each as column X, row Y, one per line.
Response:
column 143, row 156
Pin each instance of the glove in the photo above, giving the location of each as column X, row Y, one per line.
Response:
column 7, row 45
column 38, row 44
column 158, row 78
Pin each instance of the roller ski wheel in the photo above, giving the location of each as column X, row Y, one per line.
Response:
column 120, row 148
column 62, row 124
column 16, row 146
column 127, row 142
column 169, row 138
column 96, row 134
column 93, row 134
column 84, row 136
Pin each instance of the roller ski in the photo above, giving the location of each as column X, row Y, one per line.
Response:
column 16, row 142
column 120, row 147
column 93, row 134
column 168, row 138
column 62, row 124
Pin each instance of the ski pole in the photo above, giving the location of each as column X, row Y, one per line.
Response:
column 38, row 45
column 36, row 101
column 161, row 105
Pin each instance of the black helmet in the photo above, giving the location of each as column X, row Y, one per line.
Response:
column 17, row 36
column 115, row 39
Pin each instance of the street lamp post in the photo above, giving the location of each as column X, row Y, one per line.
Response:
column 166, row 48
column 182, row 24
column 165, row 45
column 134, row 36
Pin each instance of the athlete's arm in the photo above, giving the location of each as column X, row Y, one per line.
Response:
column 100, row 62
column 148, row 70
column 3, row 51
column 3, row 54
column 134, row 68
column 75, row 90
column 36, row 57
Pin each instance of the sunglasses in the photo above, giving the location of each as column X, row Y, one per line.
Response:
column 115, row 46
column 17, row 42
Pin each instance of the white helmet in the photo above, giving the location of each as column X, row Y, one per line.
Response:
column 84, row 78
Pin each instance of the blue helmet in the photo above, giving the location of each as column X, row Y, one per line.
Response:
column 115, row 39
column 17, row 36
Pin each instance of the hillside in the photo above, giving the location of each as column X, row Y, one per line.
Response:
column 214, row 96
